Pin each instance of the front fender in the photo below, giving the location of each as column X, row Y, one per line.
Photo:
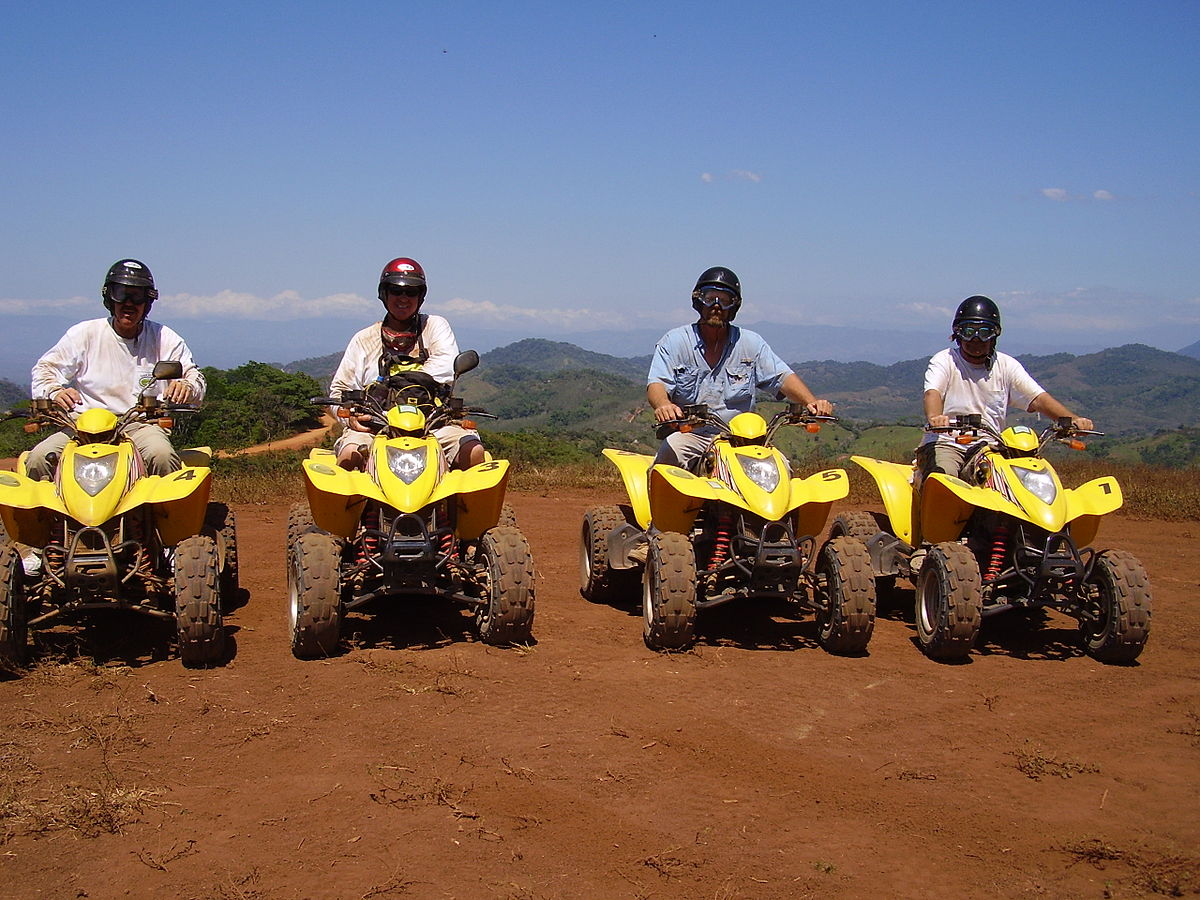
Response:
column 812, row 498
column 676, row 496
column 1087, row 503
column 27, row 507
column 336, row 495
column 179, row 500
column 479, row 496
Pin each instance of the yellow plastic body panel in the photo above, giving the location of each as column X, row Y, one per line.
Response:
column 634, row 469
column 336, row 496
column 95, row 421
column 894, row 481
column 179, row 501
column 748, row 426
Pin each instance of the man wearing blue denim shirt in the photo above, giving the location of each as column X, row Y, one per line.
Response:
column 713, row 361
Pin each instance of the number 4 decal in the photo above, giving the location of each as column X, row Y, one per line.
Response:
column 185, row 475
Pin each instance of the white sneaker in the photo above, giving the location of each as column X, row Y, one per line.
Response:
column 31, row 560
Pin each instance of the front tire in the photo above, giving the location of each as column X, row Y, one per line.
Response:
column 846, row 619
column 597, row 582
column 14, row 632
column 314, row 594
column 197, row 602
column 669, row 592
column 300, row 521
column 1122, row 600
column 506, row 616
column 949, row 603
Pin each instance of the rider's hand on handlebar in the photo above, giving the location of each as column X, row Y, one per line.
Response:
column 68, row 398
column 820, row 408
column 939, row 421
column 668, row 412
column 177, row 391
column 359, row 423
column 1082, row 424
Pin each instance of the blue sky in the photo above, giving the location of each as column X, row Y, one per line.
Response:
column 562, row 169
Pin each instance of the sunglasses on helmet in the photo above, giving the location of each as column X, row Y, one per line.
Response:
column 970, row 332
column 717, row 297
column 127, row 293
column 402, row 290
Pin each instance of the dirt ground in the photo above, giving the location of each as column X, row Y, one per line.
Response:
column 422, row 763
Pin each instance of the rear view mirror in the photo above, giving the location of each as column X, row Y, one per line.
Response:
column 465, row 362
column 167, row 370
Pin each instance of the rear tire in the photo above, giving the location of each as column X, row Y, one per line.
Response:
column 224, row 525
column 300, row 521
column 507, row 615
column 949, row 603
column 669, row 592
column 314, row 594
column 197, row 602
column 597, row 582
column 858, row 525
column 14, row 632
column 847, row 592
column 1123, row 599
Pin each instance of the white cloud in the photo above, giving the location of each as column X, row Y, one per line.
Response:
column 489, row 312
column 732, row 175
column 286, row 305
column 927, row 310
column 1058, row 195
column 50, row 307
column 1102, row 195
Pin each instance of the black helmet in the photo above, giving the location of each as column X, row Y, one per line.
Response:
column 978, row 310
column 718, row 277
column 133, row 273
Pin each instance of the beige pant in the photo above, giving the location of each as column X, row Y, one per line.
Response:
column 452, row 439
column 152, row 443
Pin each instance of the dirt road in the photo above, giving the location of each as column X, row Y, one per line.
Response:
column 421, row 763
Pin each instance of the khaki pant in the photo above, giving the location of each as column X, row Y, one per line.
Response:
column 452, row 439
column 152, row 443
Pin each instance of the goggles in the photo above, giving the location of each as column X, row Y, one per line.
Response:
column 402, row 290
column 717, row 297
column 970, row 332
column 127, row 293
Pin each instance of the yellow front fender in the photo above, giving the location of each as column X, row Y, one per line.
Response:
column 1087, row 503
column 179, row 500
column 336, row 495
column 676, row 496
column 813, row 496
column 27, row 507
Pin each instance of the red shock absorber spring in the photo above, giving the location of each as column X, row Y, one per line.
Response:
column 999, row 549
column 722, row 543
column 370, row 545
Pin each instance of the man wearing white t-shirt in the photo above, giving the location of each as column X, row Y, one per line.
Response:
column 107, row 363
column 973, row 377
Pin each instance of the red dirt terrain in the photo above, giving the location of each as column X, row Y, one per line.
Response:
column 422, row 763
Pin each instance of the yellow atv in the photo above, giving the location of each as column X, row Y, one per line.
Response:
column 104, row 534
column 739, row 526
column 406, row 526
column 1006, row 535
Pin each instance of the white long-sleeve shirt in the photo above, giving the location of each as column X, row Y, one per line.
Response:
column 359, row 367
column 110, row 371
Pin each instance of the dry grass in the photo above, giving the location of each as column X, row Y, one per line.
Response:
column 1036, row 764
column 1150, row 492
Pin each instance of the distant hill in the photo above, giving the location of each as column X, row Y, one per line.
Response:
column 538, row 384
column 1191, row 350
column 12, row 393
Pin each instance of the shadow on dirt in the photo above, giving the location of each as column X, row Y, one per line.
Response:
column 117, row 637
column 757, row 625
column 409, row 623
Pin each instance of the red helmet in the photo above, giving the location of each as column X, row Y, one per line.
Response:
column 404, row 272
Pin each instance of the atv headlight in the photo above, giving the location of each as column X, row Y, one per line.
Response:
column 407, row 465
column 93, row 474
column 763, row 472
column 1040, row 484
